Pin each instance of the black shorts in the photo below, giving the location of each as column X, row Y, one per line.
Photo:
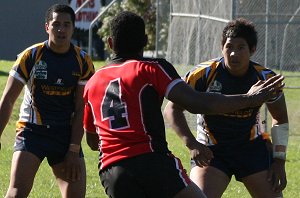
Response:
column 241, row 160
column 45, row 141
column 149, row 175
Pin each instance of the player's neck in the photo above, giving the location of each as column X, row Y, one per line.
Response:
column 60, row 49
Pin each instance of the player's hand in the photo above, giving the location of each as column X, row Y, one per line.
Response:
column 277, row 175
column 200, row 153
column 72, row 166
column 263, row 91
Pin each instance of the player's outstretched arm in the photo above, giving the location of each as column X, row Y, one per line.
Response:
column 212, row 103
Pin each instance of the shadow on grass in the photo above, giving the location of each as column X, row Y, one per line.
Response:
column 2, row 73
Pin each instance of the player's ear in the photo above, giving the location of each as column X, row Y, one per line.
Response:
column 145, row 40
column 222, row 51
column 110, row 42
column 46, row 27
column 252, row 50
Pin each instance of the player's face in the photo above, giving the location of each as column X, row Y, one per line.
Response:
column 60, row 30
column 236, row 54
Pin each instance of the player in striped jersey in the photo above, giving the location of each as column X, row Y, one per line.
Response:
column 54, row 74
column 123, row 118
column 236, row 137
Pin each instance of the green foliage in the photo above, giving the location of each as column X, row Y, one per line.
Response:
column 145, row 8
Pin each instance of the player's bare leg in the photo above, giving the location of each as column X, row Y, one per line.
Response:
column 212, row 181
column 70, row 189
column 23, row 170
column 192, row 191
column 258, row 185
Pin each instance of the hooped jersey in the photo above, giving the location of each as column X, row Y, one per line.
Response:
column 50, row 81
column 227, row 128
column 123, row 106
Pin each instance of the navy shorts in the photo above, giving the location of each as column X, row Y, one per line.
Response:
column 45, row 141
column 241, row 160
column 149, row 175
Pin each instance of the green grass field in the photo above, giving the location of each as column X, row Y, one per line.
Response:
column 45, row 186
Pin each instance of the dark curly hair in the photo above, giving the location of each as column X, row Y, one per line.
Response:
column 240, row 28
column 127, row 30
column 59, row 8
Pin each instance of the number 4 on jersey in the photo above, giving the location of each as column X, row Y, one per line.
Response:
column 112, row 108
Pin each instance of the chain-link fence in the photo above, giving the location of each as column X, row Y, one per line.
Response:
column 196, row 25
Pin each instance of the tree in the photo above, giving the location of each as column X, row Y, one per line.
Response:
column 145, row 8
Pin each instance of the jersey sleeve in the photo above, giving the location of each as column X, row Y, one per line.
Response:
column 162, row 75
column 263, row 72
column 87, row 67
column 195, row 78
column 201, row 75
column 23, row 65
column 88, row 118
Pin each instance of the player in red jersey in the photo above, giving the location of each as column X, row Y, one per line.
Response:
column 53, row 73
column 236, row 138
column 123, row 118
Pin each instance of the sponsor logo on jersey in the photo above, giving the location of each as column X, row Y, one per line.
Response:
column 215, row 87
column 76, row 73
column 59, row 82
column 57, row 90
column 40, row 70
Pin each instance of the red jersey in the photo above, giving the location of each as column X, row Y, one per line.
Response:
column 123, row 106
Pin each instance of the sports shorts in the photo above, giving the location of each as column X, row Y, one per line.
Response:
column 158, row 175
column 43, row 141
column 241, row 160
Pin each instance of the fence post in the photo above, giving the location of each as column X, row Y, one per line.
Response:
column 93, row 22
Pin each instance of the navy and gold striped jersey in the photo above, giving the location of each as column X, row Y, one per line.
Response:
column 234, row 127
column 50, row 81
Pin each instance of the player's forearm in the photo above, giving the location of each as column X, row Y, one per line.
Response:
column 213, row 103
column 6, row 108
column 11, row 92
column 77, row 128
column 175, row 116
column 206, row 103
column 77, row 122
column 228, row 103
column 210, row 103
column 278, row 111
column 280, row 127
column 92, row 140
